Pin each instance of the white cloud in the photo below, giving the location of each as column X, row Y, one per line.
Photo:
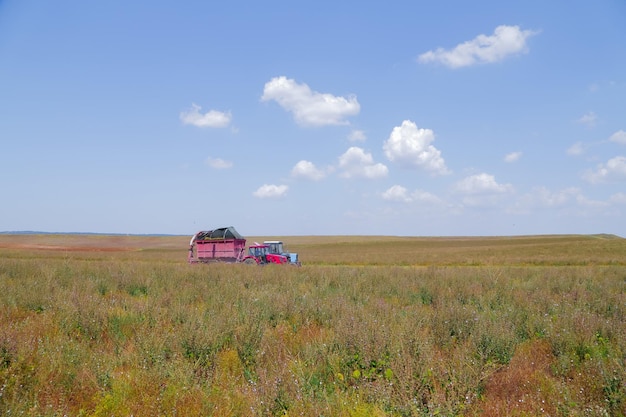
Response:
column 397, row 193
column 218, row 163
column 512, row 157
column 482, row 190
column 482, row 184
column 618, row 137
column 425, row 197
column 576, row 149
column 401, row 194
column 583, row 201
column 357, row 136
column 588, row 119
column 212, row 118
column 566, row 201
column 307, row 170
column 543, row 198
column 271, row 191
column 310, row 108
column 356, row 163
column 613, row 171
column 410, row 146
column 505, row 41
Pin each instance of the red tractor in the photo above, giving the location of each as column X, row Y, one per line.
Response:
column 260, row 254
column 276, row 246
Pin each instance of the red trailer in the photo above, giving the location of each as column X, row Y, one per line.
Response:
column 219, row 245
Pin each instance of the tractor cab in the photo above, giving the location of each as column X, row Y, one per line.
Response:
column 274, row 246
column 260, row 254
column 258, row 251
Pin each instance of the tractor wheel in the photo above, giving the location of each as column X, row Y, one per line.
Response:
column 249, row 261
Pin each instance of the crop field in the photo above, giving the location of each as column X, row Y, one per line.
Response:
column 95, row 325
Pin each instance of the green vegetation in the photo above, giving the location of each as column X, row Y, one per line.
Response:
column 524, row 326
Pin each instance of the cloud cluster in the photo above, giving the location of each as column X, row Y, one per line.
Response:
column 308, row 107
column 505, row 41
column 611, row 171
column 411, row 147
column 614, row 170
column 408, row 146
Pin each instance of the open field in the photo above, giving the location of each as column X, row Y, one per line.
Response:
column 370, row 326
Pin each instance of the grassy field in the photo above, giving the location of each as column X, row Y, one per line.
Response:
column 95, row 325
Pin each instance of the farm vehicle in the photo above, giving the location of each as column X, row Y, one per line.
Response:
column 227, row 245
column 276, row 246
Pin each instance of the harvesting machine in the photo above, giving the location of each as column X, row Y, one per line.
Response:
column 227, row 245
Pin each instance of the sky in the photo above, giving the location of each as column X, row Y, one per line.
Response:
column 288, row 118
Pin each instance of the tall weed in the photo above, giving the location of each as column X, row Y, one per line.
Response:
column 119, row 335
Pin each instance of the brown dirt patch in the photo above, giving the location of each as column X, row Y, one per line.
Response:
column 90, row 243
column 524, row 387
column 66, row 248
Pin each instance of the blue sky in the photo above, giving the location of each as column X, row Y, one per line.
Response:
column 414, row 118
